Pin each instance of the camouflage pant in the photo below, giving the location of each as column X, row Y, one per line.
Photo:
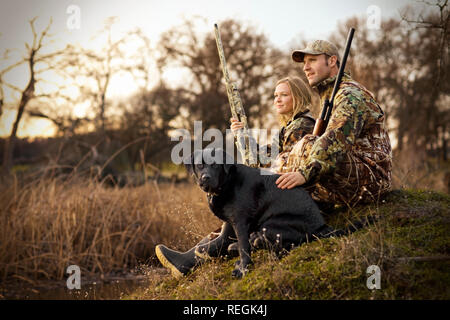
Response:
column 359, row 177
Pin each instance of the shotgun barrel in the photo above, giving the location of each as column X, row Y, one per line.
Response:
column 322, row 122
column 237, row 110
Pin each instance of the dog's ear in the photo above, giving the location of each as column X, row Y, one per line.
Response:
column 191, row 161
column 228, row 162
column 229, row 168
column 189, row 164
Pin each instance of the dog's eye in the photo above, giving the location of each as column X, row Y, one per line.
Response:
column 200, row 166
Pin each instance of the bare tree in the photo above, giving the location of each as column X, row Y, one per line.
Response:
column 435, row 20
column 37, row 63
column 91, row 72
column 436, row 24
column 112, row 60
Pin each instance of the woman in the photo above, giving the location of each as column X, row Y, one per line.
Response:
column 292, row 99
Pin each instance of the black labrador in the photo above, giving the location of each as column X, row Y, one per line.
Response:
column 249, row 200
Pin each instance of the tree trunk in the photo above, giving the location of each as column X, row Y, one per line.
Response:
column 27, row 95
column 444, row 143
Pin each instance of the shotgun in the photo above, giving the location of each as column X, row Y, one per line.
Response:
column 322, row 122
column 237, row 110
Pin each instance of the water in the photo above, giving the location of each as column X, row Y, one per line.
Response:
column 93, row 291
column 112, row 288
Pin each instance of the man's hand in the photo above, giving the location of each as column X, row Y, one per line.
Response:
column 290, row 180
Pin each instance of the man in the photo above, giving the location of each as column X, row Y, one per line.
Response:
column 352, row 161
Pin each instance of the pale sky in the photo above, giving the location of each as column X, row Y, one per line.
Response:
column 282, row 21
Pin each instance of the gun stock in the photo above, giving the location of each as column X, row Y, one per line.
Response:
column 319, row 127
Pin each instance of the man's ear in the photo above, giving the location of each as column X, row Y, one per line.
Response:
column 332, row 61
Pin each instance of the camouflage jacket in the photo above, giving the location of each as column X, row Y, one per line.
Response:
column 354, row 154
column 293, row 132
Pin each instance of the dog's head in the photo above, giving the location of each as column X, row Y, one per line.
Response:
column 210, row 168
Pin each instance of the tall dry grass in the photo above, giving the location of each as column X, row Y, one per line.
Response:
column 48, row 224
column 414, row 169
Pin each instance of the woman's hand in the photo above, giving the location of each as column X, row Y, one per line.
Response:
column 290, row 180
column 235, row 125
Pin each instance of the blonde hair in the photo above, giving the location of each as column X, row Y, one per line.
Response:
column 301, row 96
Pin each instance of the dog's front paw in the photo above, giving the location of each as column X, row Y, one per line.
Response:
column 239, row 271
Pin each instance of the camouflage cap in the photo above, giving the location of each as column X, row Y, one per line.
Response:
column 316, row 47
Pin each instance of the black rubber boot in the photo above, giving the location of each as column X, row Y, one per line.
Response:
column 180, row 263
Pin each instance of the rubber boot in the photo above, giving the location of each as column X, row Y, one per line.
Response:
column 181, row 263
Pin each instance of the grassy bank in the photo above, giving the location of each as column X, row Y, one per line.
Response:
column 410, row 243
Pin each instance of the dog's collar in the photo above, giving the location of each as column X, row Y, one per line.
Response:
column 210, row 194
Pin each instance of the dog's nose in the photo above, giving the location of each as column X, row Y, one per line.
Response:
column 205, row 178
